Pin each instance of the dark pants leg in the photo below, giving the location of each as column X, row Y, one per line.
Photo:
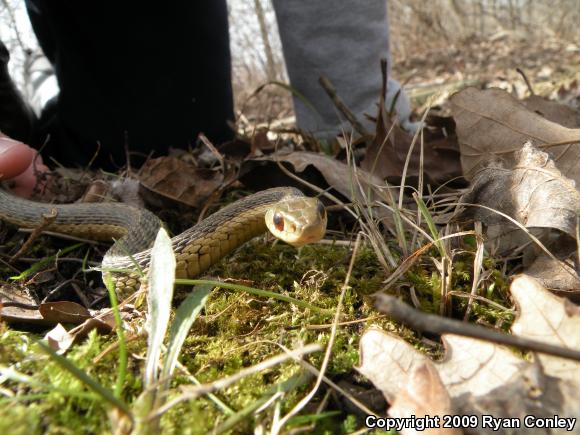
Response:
column 17, row 119
column 152, row 75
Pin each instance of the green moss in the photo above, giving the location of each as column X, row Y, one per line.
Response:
column 65, row 403
column 238, row 330
column 19, row 419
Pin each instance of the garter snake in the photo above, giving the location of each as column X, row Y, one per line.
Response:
column 285, row 211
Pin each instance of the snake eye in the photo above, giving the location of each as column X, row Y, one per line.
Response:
column 278, row 220
column 321, row 210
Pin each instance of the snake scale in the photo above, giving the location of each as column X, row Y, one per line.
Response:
column 285, row 211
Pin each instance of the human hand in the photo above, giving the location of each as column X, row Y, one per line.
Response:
column 21, row 164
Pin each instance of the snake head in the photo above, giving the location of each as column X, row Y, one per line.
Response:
column 297, row 221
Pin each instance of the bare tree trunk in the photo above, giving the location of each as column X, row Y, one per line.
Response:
column 270, row 65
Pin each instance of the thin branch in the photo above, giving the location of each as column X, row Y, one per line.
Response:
column 416, row 319
column 525, row 77
column 47, row 221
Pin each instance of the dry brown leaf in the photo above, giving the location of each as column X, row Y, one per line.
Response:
column 493, row 124
column 527, row 396
column 471, row 368
column 434, row 155
column 533, row 192
column 61, row 340
column 475, row 366
column 337, row 175
column 23, row 315
column 553, row 111
column 96, row 191
column 483, row 378
column 18, row 306
column 423, row 395
column 556, row 275
column 64, row 312
column 461, row 371
column 548, row 318
column 385, row 157
column 387, row 361
column 179, row 181
column 103, row 326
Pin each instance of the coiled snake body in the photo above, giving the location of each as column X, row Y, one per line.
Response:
column 285, row 211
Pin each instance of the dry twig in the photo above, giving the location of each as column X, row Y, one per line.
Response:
column 47, row 221
column 416, row 319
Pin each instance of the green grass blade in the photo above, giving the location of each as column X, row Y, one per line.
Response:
column 184, row 318
column 44, row 262
column 122, row 371
column 160, row 281
column 430, row 223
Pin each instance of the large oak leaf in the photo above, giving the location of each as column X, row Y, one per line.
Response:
column 493, row 124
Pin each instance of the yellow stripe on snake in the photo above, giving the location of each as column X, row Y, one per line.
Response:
column 285, row 211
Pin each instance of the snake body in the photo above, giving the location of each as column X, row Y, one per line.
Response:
column 288, row 214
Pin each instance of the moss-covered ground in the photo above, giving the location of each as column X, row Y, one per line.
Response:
column 238, row 330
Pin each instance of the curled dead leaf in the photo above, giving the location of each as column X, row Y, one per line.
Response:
column 18, row 306
column 558, row 276
column 59, row 339
column 533, row 192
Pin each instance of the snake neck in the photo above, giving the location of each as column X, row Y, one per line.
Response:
column 204, row 244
